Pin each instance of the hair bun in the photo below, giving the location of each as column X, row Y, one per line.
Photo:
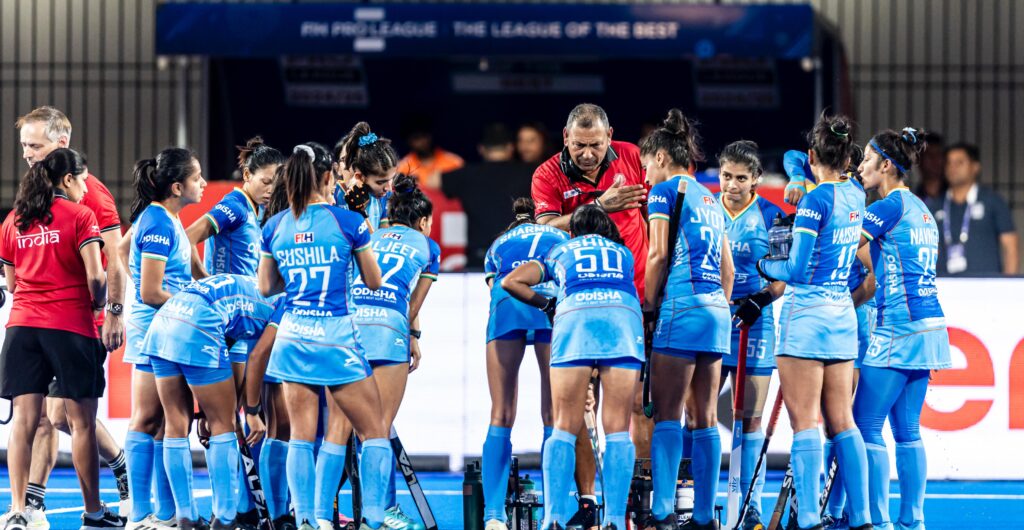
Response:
column 523, row 206
column 403, row 183
column 840, row 127
column 676, row 123
column 305, row 149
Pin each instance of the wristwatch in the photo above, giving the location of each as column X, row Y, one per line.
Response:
column 115, row 308
column 415, row 333
column 253, row 411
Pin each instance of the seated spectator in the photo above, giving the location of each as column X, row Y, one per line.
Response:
column 532, row 143
column 976, row 234
column 426, row 161
column 932, row 181
column 487, row 190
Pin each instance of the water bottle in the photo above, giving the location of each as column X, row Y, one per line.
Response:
column 780, row 238
column 473, row 497
column 684, row 489
column 528, row 497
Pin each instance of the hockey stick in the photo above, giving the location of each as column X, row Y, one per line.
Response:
column 645, row 371
column 415, row 488
column 830, row 479
column 590, row 418
column 784, row 494
column 253, row 479
column 350, row 461
column 772, row 421
column 736, row 454
column 352, row 466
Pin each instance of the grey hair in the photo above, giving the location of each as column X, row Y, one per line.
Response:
column 587, row 115
column 57, row 124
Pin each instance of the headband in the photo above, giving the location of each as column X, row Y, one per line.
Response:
column 885, row 155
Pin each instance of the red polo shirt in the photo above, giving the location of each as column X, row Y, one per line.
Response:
column 555, row 193
column 51, row 290
column 101, row 202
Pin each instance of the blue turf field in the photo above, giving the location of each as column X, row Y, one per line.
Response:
column 949, row 504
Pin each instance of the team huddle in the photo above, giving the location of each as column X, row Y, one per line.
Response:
column 622, row 268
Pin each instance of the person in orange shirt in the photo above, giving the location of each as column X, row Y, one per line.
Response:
column 426, row 161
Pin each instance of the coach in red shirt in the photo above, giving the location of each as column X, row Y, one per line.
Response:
column 50, row 249
column 42, row 131
column 592, row 168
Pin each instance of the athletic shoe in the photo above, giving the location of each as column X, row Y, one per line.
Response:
column 150, row 522
column 585, row 517
column 15, row 521
column 831, row 523
column 916, row 525
column 250, row 518
column 396, row 519
column 610, row 526
column 752, row 521
column 36, row 518
column 324, row 524
column 285, row 522
column 217, row 524
column 867, row 526
column 306, row 526
column 107, row 519
column 495, row 524
column 345, row 522
column 670, row 522
column 691, row 524
column 554, row 526
column 883, row 526
column 189, row 524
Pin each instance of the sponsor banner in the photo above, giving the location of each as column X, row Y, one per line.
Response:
column 973, row 415
column 438, row 30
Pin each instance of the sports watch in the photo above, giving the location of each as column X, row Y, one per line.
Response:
column 115, row 308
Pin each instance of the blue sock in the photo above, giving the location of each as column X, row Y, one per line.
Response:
column 707, row 462
column 805, row 457
column 329, row 465
column 878, row 483
column 263, row 468
column 178, row 463
column 376, row 463
column 496, row 461
column 138, row 456
column 277, row 466
column 752, row 442
column 559, row 464
column 836, row 499
column 222, row 459
column 391, row 498
column 300, row 468
column 666, row 451
column 243, row 502
column 687, row 442
column 618, row 474
column 162, row 496
column 547, row 434
column 912, row 469
column 853, row 460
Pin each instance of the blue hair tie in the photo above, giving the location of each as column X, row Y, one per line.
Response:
column 885, row 155
column 913, row 135
column 367, row 139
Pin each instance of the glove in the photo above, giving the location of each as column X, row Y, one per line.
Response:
column 760, row 270
column 796, row 166
column 357, row 197
column 750, row 307
column 549, row 309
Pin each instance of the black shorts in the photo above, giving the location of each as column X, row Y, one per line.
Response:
column 32, row 358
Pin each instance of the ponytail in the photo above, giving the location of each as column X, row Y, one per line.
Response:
column 35, row 192
column 255, row 155
column 678, row 137
column 155, row 176
column 366, row 152
column 523, row 209
column 300, row 179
